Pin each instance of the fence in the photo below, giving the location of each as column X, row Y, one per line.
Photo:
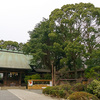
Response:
column 39, row 84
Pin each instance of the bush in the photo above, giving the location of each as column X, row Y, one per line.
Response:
column 65, row 86
column 63, row 73
column 47, row 76
column 93, row 72
column 78, row 87
column 82, row 96
column 61, row 91
column 47, row 90
column 54, row 91
column 27, row 78
column 35, row 76
column 94, row 88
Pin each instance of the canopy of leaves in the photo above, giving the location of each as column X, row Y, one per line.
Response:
column 11, row 45
column 68, row 38
column 93, row 72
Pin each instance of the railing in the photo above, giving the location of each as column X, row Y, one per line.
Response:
column 39, row 84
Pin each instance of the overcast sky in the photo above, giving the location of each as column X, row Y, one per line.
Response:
column 17, row 17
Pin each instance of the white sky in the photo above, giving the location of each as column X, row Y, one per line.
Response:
column 17, row 17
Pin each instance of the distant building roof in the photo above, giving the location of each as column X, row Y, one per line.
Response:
column 42, row 70
column 15, row 60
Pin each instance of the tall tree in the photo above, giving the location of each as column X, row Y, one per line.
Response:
column 11, row 45
column 72, row 21
column 67, row 38
column 76, row 21
column 40, row 45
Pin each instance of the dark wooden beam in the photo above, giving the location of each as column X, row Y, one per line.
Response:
column 5, row 78
column 20, row 75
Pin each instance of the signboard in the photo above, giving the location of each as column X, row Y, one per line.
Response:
column 30, row 83
column 50, row 83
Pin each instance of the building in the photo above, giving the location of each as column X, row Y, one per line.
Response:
column 13, row 66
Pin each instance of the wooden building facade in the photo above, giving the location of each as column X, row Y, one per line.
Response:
column 13, row 66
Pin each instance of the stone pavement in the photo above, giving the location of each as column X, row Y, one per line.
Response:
column 6, row 95
column 27, row 95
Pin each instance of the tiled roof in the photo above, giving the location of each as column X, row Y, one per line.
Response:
column 14, row 60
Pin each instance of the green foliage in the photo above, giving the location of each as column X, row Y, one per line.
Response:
column 65, row 73
column 66, row 87
column 54, row 91
column 11, row 45
column 68, row 38
column 26, row 48
column 76, row 91
column 74, row 51
column 94, row 88
column 62, row 73
column 52, row 36
column 61, row 91
column 39, row 45
column 94, row 58
column 69, row 27
column 0, row 76
column 47, row 76
column 82, row 96
column 35, row 76
column 78, row 87
column 47, row 90
column 93, row 72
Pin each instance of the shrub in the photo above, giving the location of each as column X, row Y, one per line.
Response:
column 65, row 86
column 63, row 73
column 82, row 96
column 61, row 91
column 54, row 91
column 27, row 78
column 78, row 87
column 35, row 76
column 47, row 76
column 47, row 90
column 94, row 88
column 93, row 72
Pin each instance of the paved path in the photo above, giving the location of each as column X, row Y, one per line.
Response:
column 35, row 91
column 27, row 95
column 6, row 95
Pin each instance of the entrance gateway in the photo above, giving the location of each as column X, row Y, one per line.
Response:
column 13, row 65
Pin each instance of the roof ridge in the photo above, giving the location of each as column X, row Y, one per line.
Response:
column 12, row 51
